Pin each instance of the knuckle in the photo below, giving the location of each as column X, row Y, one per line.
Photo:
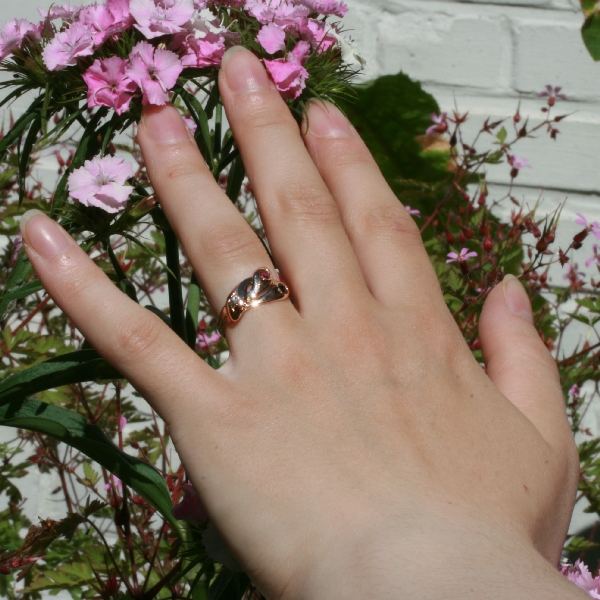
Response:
column 260, row 115
column 79, row 281
column 390, row 221
column 303, row 201
column 180, row 165
column 351, row 156
column 229, row 243
column 137, row 336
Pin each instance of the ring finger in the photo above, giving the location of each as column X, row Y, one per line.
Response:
column 222, row 248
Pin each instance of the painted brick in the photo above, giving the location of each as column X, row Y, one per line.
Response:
column 447, row 47
column 551, row 51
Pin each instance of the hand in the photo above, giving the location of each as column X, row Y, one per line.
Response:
column 351, row 447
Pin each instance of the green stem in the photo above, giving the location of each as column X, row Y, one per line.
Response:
column 174, row 283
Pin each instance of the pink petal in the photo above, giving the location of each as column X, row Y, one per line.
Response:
column 272, row 38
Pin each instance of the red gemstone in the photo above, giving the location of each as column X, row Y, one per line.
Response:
column 264, row 274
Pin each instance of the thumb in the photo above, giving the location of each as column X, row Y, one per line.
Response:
column 518, row 362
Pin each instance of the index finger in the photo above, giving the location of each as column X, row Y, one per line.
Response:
column 132, row 339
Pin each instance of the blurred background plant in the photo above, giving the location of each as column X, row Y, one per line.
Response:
column 132, row 527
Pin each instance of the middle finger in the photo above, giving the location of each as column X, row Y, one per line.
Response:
column 301, row 218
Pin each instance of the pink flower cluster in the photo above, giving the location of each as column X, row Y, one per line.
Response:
column 580, row 575
column 293, row 20
column 189, row 34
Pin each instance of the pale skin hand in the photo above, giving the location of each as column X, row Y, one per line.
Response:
column 351, row 447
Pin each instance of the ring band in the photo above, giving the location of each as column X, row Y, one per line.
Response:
column 261, row 288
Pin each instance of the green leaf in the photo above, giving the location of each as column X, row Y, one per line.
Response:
column 21, row 124
column 502, row 135
column 579, row 544
column 74, row 367
column 198, row 114
column 591, row 35
column 391, row 114
column 25, row 290
column 34, row 130
column 192, row 312
column 20, row 273
column 91, row 477
column 588, row 7
column 228, row 586
column 65, row 577
column 73, row 430
column 235, row 179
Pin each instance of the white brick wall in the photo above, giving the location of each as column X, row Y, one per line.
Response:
column 484, row 55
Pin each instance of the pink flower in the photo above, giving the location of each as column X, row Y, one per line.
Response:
column 202, row 44
column 580, row 575
column 122, row 423
column 106, row 20
column 412, row 211
column 204, row 341
column 191, row 124
column 288, row 73
column 101, row 183
column 67, row 46
column 321, row 35
column 155, row 71
column 552, row 93
column 462, row 257
column 582, row 220
column 66, row 12
column 440, row 124
column 109, row 85
column 190, row 507
column 518, row 163
column 159, row 17
column 282, row 13
column 594, row 258
column 326, row 7
column 15, row 33
column 116, row 482
column 575, row 390
column 591, row 227
column 272, row 38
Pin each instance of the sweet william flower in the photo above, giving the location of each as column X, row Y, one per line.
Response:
column 66, row 12
column 155, row 18
column 105, row 20
column 155, row 71
column 289, row 74
column 580, row 575
column 101, row 183
column 326, row 7
column 272, row 38
column 15, row 33
column 109, row 85
column 67, row 46
column 202, row 44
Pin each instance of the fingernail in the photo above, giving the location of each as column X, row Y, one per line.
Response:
column 244, row 72
column 42, row 234
column 327, row 121
column 164, row 125
column 516, row 298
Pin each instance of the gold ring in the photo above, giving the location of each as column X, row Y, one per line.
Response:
column 259, row 289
